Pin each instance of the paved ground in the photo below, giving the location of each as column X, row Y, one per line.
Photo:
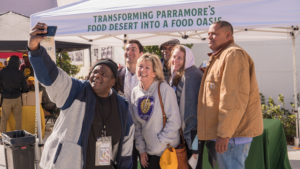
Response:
column 294, row 155
column 48, row 130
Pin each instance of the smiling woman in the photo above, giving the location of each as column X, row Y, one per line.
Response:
column 149, row 68
column 184, row 77
column 150, row 135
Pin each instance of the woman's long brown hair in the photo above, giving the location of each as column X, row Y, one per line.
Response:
column 178, row 74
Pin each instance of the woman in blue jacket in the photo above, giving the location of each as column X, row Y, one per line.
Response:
column 185, row 80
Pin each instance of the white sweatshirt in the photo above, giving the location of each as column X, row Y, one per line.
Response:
column 150, row 136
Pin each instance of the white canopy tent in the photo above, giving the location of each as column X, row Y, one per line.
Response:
column 14, row 29
column 154, row 21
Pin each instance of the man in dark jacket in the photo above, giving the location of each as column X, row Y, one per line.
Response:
column 12, row 85
column 127, row 79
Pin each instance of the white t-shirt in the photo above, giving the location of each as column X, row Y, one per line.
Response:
column 130, row 82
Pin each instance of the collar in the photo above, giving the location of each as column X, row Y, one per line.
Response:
column 221, row 48
column 127, row 72
column 151, row 89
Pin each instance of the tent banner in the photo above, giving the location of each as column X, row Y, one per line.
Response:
column 167, row 18
column 154, row 19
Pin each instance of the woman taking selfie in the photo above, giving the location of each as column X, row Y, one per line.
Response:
column 150, row 135
column 185, row 80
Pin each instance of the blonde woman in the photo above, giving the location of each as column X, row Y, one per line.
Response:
column 150, row 136
column 185, row 80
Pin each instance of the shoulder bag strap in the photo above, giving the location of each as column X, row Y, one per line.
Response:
column 162, row 107
column 164, row 114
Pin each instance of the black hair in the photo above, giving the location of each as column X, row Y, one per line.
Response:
column 108, row 62
column 14, row 61
column 138, row 43
column 224, row 24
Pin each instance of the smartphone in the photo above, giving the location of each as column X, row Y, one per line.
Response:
column 51, row 30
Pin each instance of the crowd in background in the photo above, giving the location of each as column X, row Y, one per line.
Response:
column 17, row 78
column 121, row 116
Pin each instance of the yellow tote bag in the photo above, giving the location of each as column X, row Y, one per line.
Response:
column 168, row 159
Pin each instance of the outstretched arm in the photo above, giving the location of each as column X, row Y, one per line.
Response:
column 61, row 88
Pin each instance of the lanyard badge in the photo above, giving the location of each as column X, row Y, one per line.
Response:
column 103, row 151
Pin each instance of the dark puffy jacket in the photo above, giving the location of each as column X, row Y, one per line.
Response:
column 12, row 81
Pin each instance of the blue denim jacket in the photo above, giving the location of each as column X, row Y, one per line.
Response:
column 193, row 78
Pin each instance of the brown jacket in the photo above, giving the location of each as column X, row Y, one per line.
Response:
column 229, row 101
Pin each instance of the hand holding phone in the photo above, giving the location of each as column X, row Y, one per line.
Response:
column 38, row 33
column 51, row 30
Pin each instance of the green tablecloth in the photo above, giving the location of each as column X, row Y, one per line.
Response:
column 268, row 151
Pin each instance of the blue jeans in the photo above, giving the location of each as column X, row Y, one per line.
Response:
column 234, row 157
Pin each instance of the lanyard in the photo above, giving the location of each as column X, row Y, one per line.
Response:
column 104, row 119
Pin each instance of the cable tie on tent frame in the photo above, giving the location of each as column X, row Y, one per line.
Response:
column 125, row 39
column 294, row 31
column 185, row 36
column 292, row 34
column 295, row 28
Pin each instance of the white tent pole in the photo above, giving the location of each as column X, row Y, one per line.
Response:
column 37, row 110
column 296, row 139
column 38, row 150
column 90, row 55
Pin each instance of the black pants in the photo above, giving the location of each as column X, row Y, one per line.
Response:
column 212, row 158
column 153, row 162
column 135, row 156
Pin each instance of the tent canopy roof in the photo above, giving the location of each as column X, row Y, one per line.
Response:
column 20, row 46
column 14, row 26
column 14, row 30
column 154, row 21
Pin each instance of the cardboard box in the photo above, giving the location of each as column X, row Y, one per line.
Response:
column 28, row 98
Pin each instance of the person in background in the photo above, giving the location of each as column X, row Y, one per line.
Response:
column 94, row 129
column 48, row 106
column 203, row 66
column 1, row 66
column 185, row 80
column 30, row 83
column 26, row 67
column 166, row 49
column 151, row 137
column 127, row 79
column 5, row 63
column 12, row 85
column 229, row 108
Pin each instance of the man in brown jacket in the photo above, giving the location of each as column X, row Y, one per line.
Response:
column 229, row 110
